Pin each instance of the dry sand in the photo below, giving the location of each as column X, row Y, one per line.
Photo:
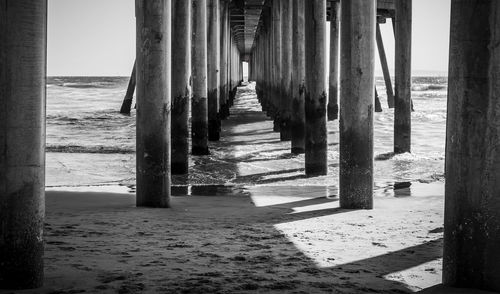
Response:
column 250, row 242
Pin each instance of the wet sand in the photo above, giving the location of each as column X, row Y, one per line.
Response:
column 259, row 226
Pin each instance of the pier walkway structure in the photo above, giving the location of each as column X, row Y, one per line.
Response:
column 293, row 90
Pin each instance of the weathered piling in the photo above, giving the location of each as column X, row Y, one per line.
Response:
column 402, row 100
column 333, row 90
column 356, row 103
column 181, row 85
column 298, row 117
column 286, row 75
column 213, row 64
column 127, row 100
column 315, row 91
column 472, row 203
column 385, row 68
column 23, row 39
column 378, row 105
column 153, row 19
column 224, row 40
column 199, row 104
column 277, row 59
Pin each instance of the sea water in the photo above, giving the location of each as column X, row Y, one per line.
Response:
column 83, row 121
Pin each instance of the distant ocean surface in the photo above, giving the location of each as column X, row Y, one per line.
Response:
column 83, row 117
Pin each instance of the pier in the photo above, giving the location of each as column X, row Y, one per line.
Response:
column 187, row 77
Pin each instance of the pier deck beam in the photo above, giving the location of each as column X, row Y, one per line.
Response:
column 181, row 85
column 356, row 109
column 472, row 199
column 199, row 120
column 402, row 99
column 23, row 36
column 153, row 102
column 298, row 118
column 333, row 90
column 315, row 91
column 213, row 65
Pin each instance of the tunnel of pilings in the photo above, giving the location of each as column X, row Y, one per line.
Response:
column 188, row 66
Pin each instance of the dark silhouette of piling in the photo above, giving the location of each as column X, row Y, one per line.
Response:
column 472, row 202
column 127, row 100
column 315, row 90
column 356, row 99
column 153, row 102
column 199, row 105
column 277, row 59
column 213, row 65
column 224, row 51
column 403, row 103
column 181, row 85
column 385, row 68
column 298, row 118
column 23, row 38
column 287, row 67
column 333, row 90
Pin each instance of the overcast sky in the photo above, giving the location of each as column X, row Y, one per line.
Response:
column 97, row 37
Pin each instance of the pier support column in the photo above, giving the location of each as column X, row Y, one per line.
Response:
column 153, row 102
column 402, row 99
column 213, row 64
column 181, row 85
column 356, row 103
column 277, row 59
column 298, row 118
column 472, row 203
column 127, row 100
column 23, row 38
column 315, row 91
column 224, row 39
column 286, row 76
column 333, row 97
column 385, row 68
column 199, row 120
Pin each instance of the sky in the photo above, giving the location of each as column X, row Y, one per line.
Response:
column 97, row 37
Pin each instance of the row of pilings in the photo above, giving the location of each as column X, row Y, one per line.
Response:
column 472, row 205
column 195, row 42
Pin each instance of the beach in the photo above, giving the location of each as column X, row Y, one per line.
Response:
column 246, row 219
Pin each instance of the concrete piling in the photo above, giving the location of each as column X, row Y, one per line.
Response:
column 315, row 90
column 385, row 68
column 471, row 256
column 286, row 74
column 333, row 90
column 127, row 100
column 356, row 103
column 23, row 39
column 153, row 102
column 298, row 116
column 199, row 101
column 402, row 100
column 213, row 65
column 224, row 46
column 181, row 85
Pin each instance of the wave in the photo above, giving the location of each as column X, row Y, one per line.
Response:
column 89, row 149
column 428, row 87
column 92, row 85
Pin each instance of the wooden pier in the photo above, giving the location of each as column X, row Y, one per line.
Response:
column 189, row 64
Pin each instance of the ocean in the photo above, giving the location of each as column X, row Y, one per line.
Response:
column 84, row 125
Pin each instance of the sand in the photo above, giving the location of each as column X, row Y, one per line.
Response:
column 259, row 227
column 252, row 242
